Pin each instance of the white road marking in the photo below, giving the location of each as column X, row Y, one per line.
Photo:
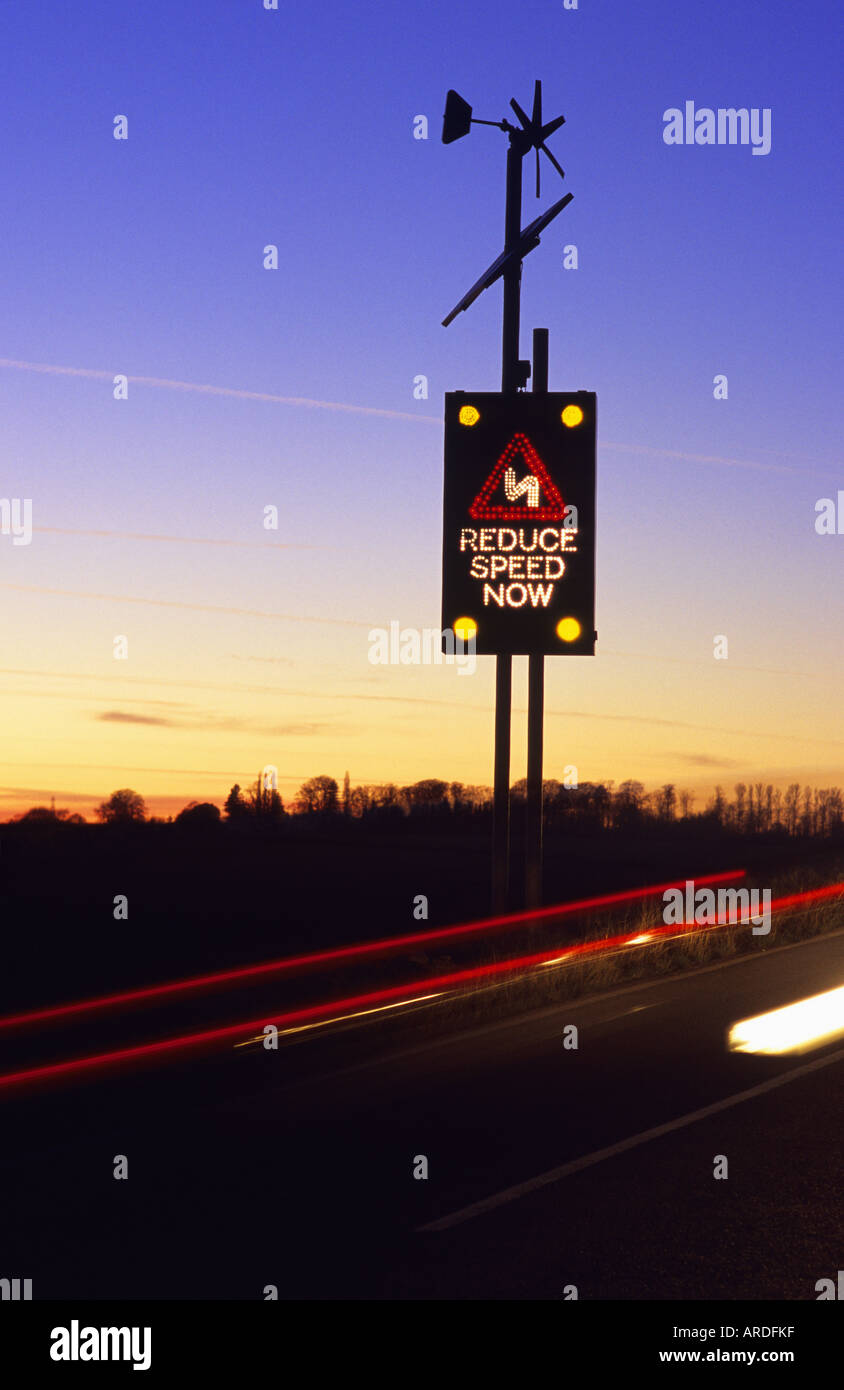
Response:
column 565, row 1170
column 639, row 1009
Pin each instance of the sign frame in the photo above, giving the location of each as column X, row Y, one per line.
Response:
column 519, row 516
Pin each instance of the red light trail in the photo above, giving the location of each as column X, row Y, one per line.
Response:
column 418, row 987
column 347, row 953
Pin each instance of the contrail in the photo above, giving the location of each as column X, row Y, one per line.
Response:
column 181, row 540
column 214, row 390
column 178, row 603
column 702, row 458
column 166, row 384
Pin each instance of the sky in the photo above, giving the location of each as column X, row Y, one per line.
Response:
column 248, row 646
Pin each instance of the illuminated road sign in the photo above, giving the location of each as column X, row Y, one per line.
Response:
column 519, row 521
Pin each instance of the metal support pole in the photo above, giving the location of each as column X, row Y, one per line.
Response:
column 512, row 276
column 536, row 702
column 504, row 664
column 501, row 790
column 540, row 361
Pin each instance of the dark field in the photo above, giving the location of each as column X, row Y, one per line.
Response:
column 210, row 899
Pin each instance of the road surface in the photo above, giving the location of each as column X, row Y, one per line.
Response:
column 294, row 1168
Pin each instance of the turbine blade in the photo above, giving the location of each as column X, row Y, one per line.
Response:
column 537, row 104
column 537, row 171
column 551, row 127
column 520, row 113
column 557, row 166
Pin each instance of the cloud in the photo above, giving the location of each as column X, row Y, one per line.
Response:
column 230, row 724
column 220, row 724
column 705, row 760
column 343, row 696
column 119, row 716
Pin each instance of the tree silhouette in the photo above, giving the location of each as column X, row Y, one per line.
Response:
column 199, row 814
column 629, row 803
column 265, row 802
column 45, row 815
column 428, row 795
column 235, row 804
column 318, row 796
column 122, row 807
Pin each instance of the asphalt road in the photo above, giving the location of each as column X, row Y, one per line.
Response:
column 295, row 1168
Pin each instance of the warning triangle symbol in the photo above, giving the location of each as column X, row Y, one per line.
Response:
column 521, row 486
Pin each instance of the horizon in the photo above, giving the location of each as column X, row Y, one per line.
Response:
column 700, row 801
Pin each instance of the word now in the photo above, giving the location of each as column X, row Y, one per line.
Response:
column 517, row 595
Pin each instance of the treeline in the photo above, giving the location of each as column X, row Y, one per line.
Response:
column 754, row 808
column 590, row 806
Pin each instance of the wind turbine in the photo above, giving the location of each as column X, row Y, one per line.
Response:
column 529, row 135
column 535, row 132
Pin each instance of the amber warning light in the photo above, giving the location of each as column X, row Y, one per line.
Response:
column 519, row 522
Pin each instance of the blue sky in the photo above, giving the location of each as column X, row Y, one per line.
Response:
column 295, row 127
